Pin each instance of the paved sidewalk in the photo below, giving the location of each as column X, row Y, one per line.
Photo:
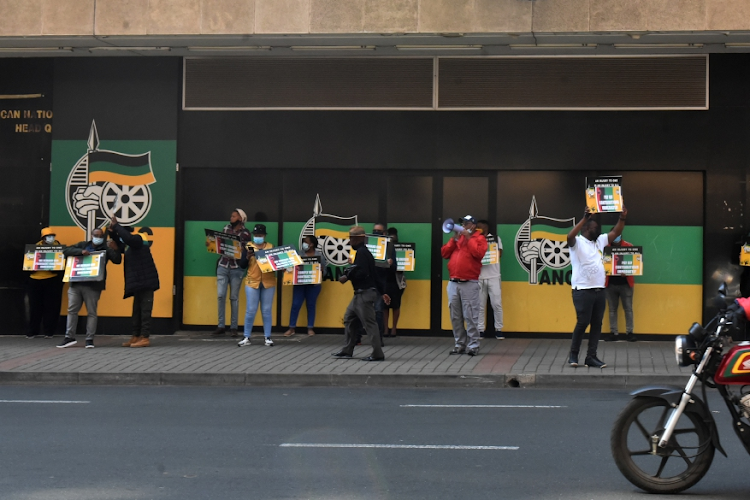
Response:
column 194, row 358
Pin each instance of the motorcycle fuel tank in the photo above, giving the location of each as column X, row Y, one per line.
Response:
column 735, row 366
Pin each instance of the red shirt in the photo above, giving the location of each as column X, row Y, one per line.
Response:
column 465, row 256
column 631, row 280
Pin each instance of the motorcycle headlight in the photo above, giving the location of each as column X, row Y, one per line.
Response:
column 684, row 346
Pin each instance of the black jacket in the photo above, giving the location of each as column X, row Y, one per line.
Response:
column 109, row 255
column 140, row 271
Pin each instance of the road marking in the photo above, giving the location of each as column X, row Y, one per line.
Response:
column 481, row 406
column 41, row 402
column 398, row 446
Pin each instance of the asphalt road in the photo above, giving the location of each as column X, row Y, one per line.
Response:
column 230, row 443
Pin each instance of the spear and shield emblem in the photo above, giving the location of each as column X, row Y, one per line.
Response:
column 107, row 183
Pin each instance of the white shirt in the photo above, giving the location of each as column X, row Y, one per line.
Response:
column 492, row 270
column 586, row 259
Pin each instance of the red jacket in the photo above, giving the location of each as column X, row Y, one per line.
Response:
column 631, row 280
column 465, row 256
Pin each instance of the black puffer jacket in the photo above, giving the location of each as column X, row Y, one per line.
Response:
column 140, row 271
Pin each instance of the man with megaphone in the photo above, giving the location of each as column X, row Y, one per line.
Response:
column 464, row 251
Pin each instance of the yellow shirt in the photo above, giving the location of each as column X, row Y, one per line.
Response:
column 254, row 276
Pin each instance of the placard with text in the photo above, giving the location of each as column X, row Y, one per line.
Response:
column 43, row 258
column 228, row 245
column 623, row 261
column 85, row 267
column 308, row 273
column 405, row 256
column 492, row 255
column 604, row 194
column 277, row 258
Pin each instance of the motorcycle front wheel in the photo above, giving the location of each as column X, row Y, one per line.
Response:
column 674, row 468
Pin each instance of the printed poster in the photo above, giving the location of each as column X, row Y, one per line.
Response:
column 745, row 255
column 378, row 247
column 308, row 273
column 623, row 261
column 277, row 258
column 85, row 267
column 492, row 256
column 228, row 245
column 43, row 258
column 604, row 194
column 405, row 259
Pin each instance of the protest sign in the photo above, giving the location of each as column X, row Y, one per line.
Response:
column 623, row 261
column 228, row 245
column 604, row 194
column 43, row 258
column 308, row 273
column 405, row 256
column 492, row 255
column 277, row 258
column 85, row 267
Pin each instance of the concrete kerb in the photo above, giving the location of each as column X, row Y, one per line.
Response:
column 521, row 380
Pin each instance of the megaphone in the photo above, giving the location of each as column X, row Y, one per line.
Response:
column 449, row 225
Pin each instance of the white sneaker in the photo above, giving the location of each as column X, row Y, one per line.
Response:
column 269, row 342
column 243, row 342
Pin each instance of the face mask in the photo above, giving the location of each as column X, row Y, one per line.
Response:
column 305, row 247
column 258, row 239
column 49, row 240
column 618, row 239
column 97, row 241
column 377, row 231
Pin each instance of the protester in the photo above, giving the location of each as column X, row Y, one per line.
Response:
column 587, row 282
column 45, row 294
column 141, row 280
column 87, row 291
column 490, row 284
column 306, row 293
column 395, row 284
column 259, row 286
column 367, row 292
column 620, row 288
column 229, row 273
column 465, row 251
column 382, row 270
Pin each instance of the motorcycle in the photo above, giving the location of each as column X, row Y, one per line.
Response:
column 664, row 440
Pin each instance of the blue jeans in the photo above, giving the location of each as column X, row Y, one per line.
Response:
column 300, row 294
column 232, row 278
column 264, row 296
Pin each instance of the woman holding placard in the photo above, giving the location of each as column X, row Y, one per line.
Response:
column 259, row 286
column 307, row 293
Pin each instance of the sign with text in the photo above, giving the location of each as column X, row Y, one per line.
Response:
column 623, row 261
column 43, row 258
column 308, row 273
column 405, row 259
column 492, row 256
column 745, row 255
column 378, row 246
column 277, row 258
column 85, row 267
column 604, row 194
column 228, row 245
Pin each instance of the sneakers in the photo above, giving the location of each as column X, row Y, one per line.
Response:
column 573, row 359
column 142, row 342
column 472, row 352
column 458, row 350
column 244, row 342
column 219, row 332
column 269, row 342
column 89, row 343
column 67, row 342
column 594, row 362
column 499, row 335
column 631, row 337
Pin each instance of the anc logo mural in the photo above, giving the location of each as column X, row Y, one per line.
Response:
column 105, row 183
column 541, row 242
column 332, row 232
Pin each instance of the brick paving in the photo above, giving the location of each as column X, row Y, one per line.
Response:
column 196, row 358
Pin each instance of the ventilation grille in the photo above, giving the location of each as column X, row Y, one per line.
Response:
column 640, row 82
column 253, row 83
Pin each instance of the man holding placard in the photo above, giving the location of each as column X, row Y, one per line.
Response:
column 44, row 289
column 620, row 287
column 588, row 279
column 87, row 280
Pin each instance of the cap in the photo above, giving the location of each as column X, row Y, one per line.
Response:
column 259, row 229
column 48, row 231
column 242, row 214
column 468, row 218
column 356, row 231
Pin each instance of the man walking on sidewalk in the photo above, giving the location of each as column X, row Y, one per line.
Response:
column 586, row 251
column 465, row 251
column 141, row 280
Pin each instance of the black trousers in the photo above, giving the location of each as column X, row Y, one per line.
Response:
column 590, row 305
column 143, row 304
column 45, row 297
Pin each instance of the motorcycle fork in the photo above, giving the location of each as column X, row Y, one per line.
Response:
column 687, row 394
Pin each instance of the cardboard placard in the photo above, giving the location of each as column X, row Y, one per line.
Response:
column 308, row 273
column 43, row 258
column 277, row 258
column 492, row 255
column 85, row 267
column 405, row 256
column 623, row 261
column 378, row 246
column 745, row 255
column 227, row 245
column 604, row 194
